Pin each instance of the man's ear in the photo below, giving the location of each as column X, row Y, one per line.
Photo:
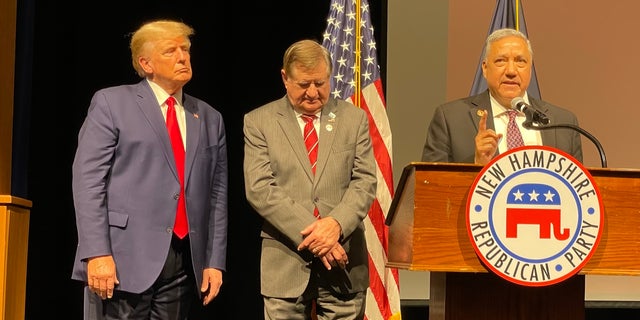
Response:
column 283, row 74
column 145, row 64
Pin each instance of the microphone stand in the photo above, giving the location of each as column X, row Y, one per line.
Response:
column 529, row 124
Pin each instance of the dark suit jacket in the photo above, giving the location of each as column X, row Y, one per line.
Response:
column 283, row 190
column 452, row 131
column 125, row 185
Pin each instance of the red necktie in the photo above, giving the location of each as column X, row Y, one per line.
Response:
column 514, row 138
column 311, row 142
column 181, row 227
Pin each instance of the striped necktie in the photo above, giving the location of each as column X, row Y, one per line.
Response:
column 311, row 142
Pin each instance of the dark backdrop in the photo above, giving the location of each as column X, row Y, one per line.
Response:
column 74, row 49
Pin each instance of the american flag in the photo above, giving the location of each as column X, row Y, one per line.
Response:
column 383, row 298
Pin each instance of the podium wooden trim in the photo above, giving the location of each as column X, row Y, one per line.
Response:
column 14, row 230
column 427, row 232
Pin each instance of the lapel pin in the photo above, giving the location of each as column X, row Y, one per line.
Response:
column 480, row 112
column 329, row 127
column 332, row 118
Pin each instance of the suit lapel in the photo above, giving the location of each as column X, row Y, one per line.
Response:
column 481, row 102
column 548, row 136
column 286, row 119
column 329, row 123
column 192, row 119
column 148, row 105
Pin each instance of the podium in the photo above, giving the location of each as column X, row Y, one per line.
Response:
column 427, row 232
column 14, row 226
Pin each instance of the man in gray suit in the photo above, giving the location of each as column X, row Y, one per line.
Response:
column 310, row 262
column 127, row 186
column 470, row 130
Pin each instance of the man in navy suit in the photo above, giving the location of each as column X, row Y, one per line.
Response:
column 471, row 129
column 127, row 187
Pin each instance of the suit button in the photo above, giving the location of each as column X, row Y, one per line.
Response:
column 176, row 196
column 315, row 200
column 169, row 230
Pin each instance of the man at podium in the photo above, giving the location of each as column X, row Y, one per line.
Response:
column 474, row 129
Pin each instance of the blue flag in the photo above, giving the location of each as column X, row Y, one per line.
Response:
column 505, row 17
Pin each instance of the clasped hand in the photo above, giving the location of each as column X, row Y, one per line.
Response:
column 321, row 238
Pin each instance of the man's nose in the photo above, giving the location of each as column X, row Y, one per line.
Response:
column 182, row 54
column 511, row 67
column 312, row 91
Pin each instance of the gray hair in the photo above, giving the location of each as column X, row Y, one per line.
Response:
column 503, row 33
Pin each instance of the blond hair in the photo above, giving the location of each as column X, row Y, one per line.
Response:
column 307, row 54
column 143, row 39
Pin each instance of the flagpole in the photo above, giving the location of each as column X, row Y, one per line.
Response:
column 517, row 15
column 357, row 57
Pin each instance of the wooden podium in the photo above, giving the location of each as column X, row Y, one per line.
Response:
column 14, row 228
column 427, row 232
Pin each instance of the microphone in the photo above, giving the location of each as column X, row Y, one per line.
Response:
column 542, row 123
column 533, row 115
